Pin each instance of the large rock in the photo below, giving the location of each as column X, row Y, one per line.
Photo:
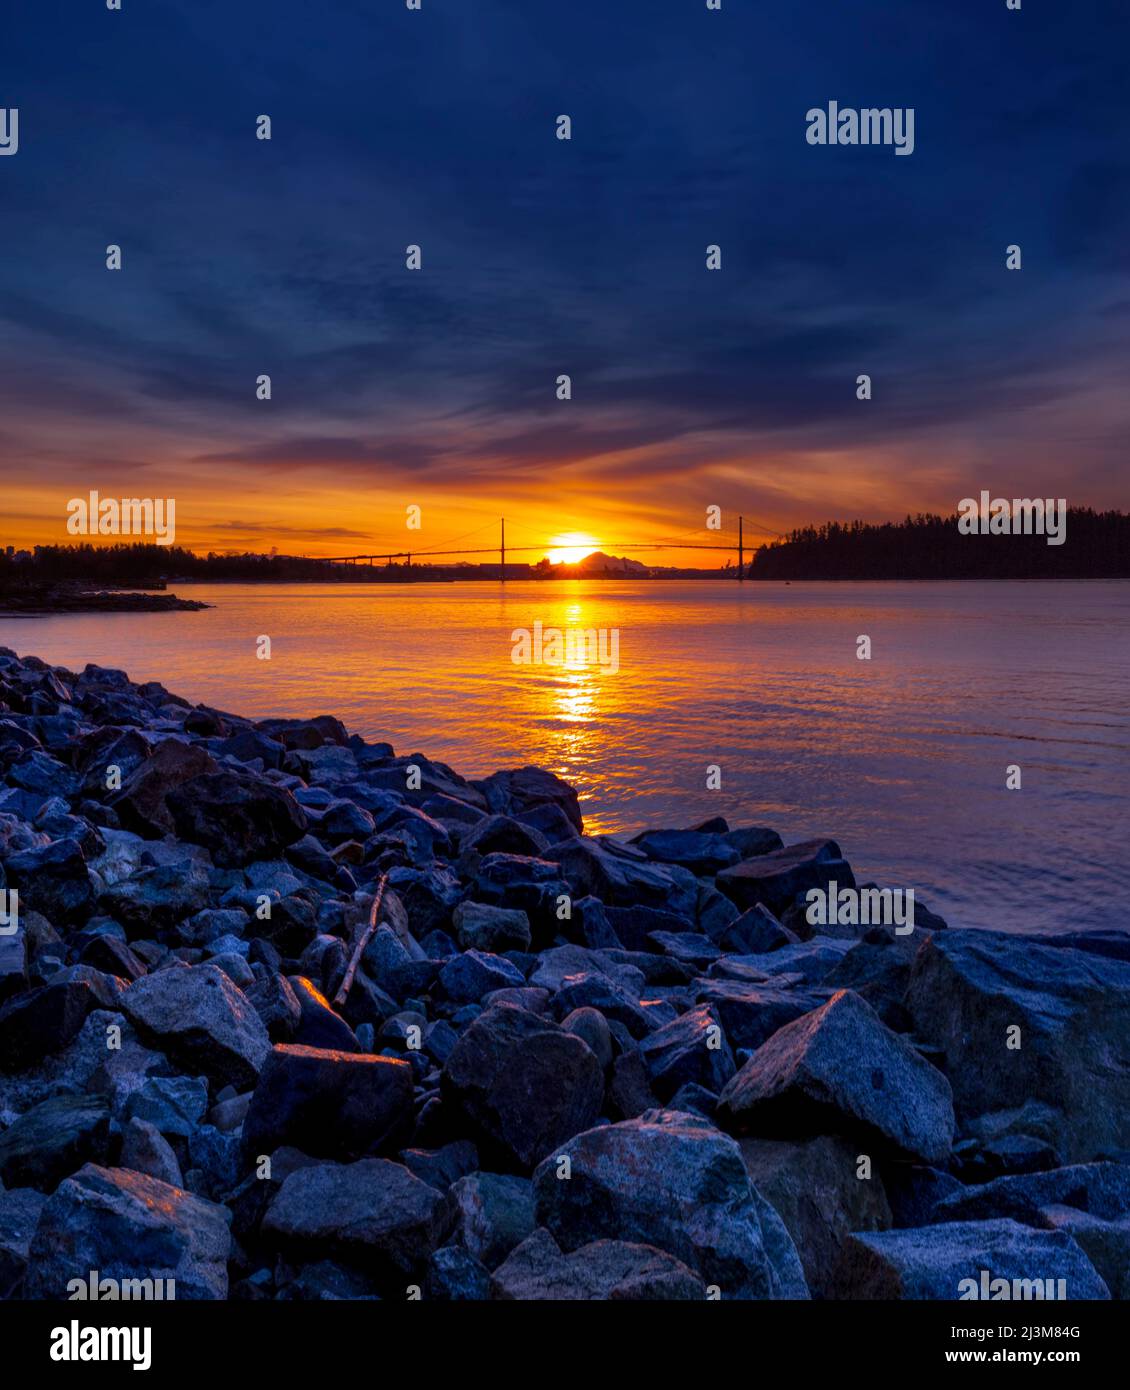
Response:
column 484, row 927
column 815, row 1187
column 1105, row 1243
column 329, row 1104
column 776, row 879
column 42, row 1022
column 840, row 1067
column 52, row 880
column 624, row 881
column 141, row 804
column 1103, row 1189
column 951, row 1261
column 493, row 1212
column 201, row 1021
column 671, row 1180
column 238, row 818
column 53, row 1139
column 527, row 788
column 968, row 989
column 20, row 1208
column 373, row 1214
column 523, row 1084
column 751, row 1013
column 128, row 1226
column 694, row 850
column 604, row 1269
column 691, row 1048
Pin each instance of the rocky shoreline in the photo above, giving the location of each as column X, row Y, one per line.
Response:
column 286, row 1015
column 33, row 602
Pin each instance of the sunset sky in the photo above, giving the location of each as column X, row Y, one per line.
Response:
column 542, row 257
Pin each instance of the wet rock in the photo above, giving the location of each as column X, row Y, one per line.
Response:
column 202, row 1021
column 527, row 789
column 591, row 868
column 305, row 733
column 328, row 1104
column 777, row 879
column 1072, row 1054
column 673, row 1181
column 604, row 1269
column 837, row 1067
column 522, row 1084
column 694, row 850
column 373, row 1214
column 52, row 1140
column 128, row 1226
column 958, row 1258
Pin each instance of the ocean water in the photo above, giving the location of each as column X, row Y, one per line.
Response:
column 901, row 758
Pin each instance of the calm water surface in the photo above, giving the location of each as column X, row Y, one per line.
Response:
column 902, row 759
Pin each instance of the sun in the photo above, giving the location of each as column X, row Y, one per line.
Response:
column 572, row 546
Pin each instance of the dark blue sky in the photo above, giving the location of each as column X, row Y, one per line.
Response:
column 541, row 256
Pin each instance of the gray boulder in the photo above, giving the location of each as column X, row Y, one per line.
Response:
column 202, row 1021
column 604, row 1269
column 962, row 1258
column 842, row 1067
column 670, row 1180
column 373, row 1213
column 970, row 990
column 326, row 1103
column 127, row 1225
column 777, row 879
column 524, row 1085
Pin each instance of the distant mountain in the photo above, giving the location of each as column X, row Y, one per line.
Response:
column 600, row 563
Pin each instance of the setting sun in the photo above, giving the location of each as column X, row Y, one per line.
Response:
column 567, row 549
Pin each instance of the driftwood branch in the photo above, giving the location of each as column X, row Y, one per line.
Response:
column 361, row 938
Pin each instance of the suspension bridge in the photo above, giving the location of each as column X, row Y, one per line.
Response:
column 690, row 540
